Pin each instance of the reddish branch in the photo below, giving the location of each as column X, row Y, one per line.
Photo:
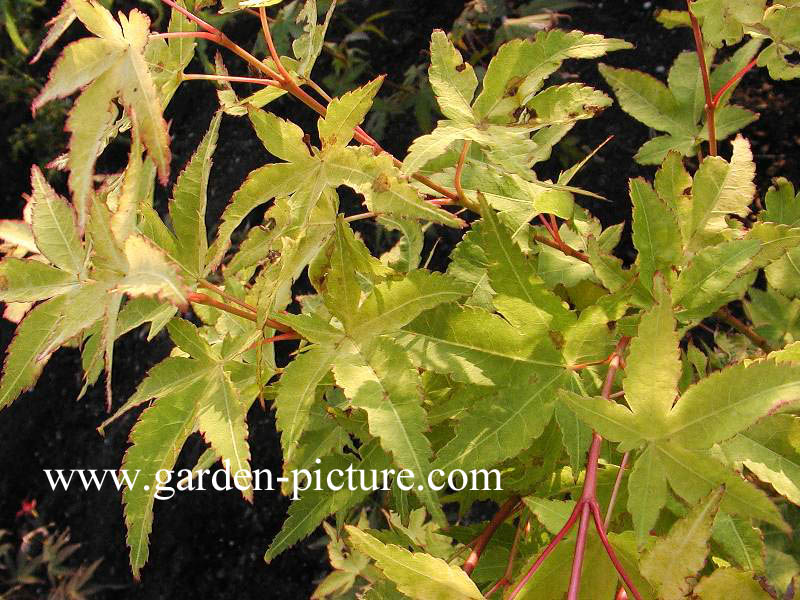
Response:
column 208, row 301
column 701, row 55
column 569, row 251
column 246, row 311
column 229, row 78
column 480, row 543
column 741, row 73
column 287, row 83
column 585, row 510
column 275, row 338
column 506, row 579
column 712, row 102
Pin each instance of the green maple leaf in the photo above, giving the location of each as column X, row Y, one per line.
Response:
column 382, row 381
column 313, row 506
column 781, row 204
column 188, row 206
column 309, row 173
column 655, row 231
column 373, row 371
column 724, row 21
column 768, row 450
column 207, row 389
column 782, row 24
column 677, row 438
column 109, row 66
column 677, row 108
column 417, row 575
column 721, row 187
column 500, row 121
column 156, row 440
column 682, row 552
column 516, row 355
column 727, row 582
column 91, row 286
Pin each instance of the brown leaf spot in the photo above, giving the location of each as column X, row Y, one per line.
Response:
column 381, row 183
column 557, row 339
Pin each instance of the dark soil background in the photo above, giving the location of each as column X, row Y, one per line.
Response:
column 212, row 542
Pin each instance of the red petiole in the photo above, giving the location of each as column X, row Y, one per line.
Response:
column 733, row 80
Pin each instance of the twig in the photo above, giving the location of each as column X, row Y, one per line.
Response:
column 562, row 247
column 275, row 338
column 598, row 521
column 365, row 215
column 710, row 106
column 313, row 85
column 554, row 223
column 208, row 301
column 230, row 298
column 485, row 537
column 184, row 34
column 615, row 492
column 270, row 322
column 543, row 220
column 194, row 18
column 725, row 315
column 593, row 363
column 229, row 78
column 293, row 88
column 285, row 76
column 545, row 553
column 505, row 580
column 459, row 170
column 741, row 73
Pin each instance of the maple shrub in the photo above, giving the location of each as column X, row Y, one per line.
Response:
column 640, row 456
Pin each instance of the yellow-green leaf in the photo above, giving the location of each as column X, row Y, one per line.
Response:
column 417, row 575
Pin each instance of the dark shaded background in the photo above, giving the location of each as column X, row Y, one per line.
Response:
column 213, row 542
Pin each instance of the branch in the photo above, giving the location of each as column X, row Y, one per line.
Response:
column 615, row 492
column 587, row 507
column 252, row 309
column 192, row 17
column 229, row 78
column 208, row 301
column 210, row 286
column 184, row 34
column 285, row 76
column 484, row 538
column 741, row 73
column 545, row 553
column 294, row 89
column 275, row 338
column 725, row 315
column 505, row 580
column 598, row 521
column 569, row 251
column 459, row 171
column 710, row 106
